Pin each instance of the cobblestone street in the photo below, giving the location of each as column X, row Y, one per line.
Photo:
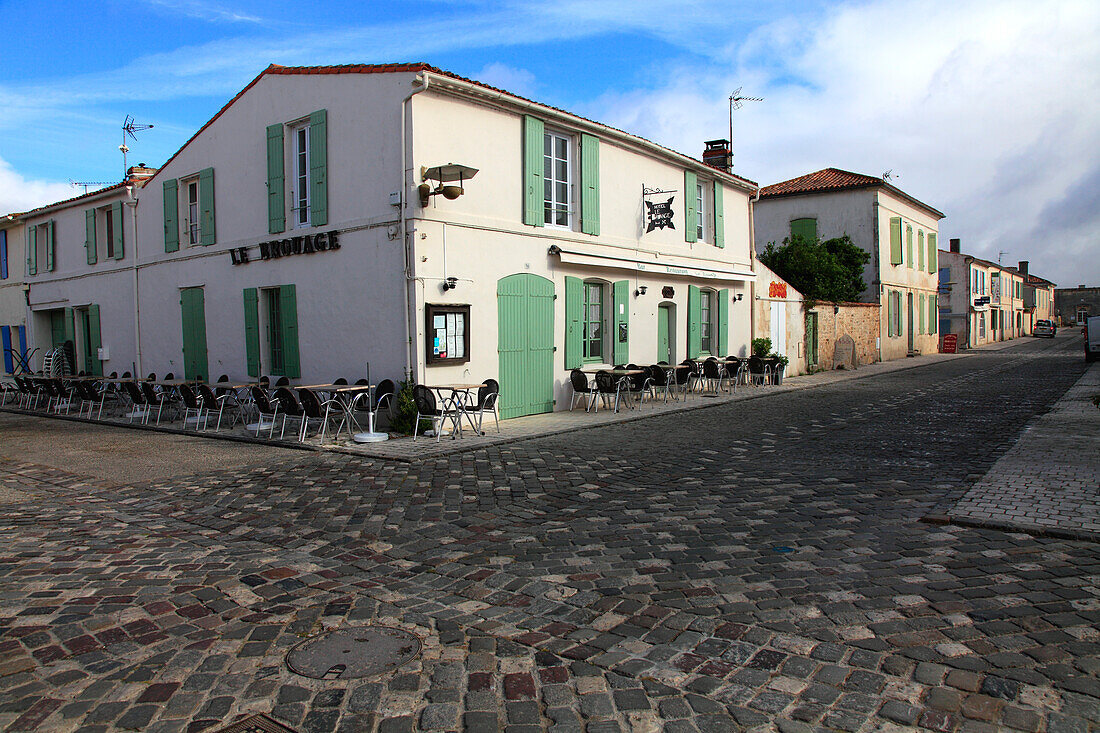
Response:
column 759, row 564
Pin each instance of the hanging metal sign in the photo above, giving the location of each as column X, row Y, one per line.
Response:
column 658, row 213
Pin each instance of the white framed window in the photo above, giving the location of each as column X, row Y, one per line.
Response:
column 299, row 136
column 707, row 299
column 105, row 231
column 557, row 180
column 700, row 212
column 192, row 224
column 594, row 320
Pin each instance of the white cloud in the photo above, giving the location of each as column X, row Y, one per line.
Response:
column 22, row 194
column 200, row 10
column 502, row 76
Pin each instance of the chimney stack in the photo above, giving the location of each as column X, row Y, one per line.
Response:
column 139, row 174
column 955, row 246
column 1023, row 268
column 717, row 155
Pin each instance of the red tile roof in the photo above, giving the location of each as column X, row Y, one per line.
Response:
column 835, row 179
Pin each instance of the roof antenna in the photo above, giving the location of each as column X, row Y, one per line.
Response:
column 890, row 174
column 1001, row 254
column 129, row 127
column 85, row 184
column 736, row 102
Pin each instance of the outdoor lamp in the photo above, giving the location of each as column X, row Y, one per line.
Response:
column 443, row 175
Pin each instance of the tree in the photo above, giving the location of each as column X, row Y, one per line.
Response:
column 831, row 270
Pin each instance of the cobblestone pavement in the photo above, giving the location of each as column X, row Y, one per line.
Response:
column 752, row 565
column 1050, row 480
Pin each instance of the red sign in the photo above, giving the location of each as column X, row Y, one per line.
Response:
column 949, row 344
column 777, row 290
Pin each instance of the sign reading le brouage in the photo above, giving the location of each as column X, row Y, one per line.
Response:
column 303, row 245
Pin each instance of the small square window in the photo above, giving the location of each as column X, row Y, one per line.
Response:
column 448, row 334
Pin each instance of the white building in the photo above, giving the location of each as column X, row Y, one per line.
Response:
column 400, row 215
column 13, row 306
column 981, row 301
column 897, row 230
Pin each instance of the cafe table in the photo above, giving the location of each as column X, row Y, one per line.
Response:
column 458, row 397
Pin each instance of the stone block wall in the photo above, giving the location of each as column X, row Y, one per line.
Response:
column 858, row 320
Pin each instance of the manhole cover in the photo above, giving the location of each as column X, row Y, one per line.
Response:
column 256, row 724
column 349, row 653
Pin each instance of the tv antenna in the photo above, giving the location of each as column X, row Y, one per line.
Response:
column 129, row 127
column 1001, row 254
column 890, row 174
column 85, row 184
column 737, row 100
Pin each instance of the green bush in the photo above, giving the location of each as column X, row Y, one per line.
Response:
column 761, row 347
column 403, row 412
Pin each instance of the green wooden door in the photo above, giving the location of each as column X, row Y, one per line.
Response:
column 664, row 345
column 525, row 344
column 811, row 340
column 193, row 310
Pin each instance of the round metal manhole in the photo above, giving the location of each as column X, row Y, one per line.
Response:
column 349, row 653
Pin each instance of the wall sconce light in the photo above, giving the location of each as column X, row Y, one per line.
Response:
column 739, row 296
column 639, row 291
column 442, row 175
column 450, row 284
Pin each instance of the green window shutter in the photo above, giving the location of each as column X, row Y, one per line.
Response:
column 719, row 217
column 574, row 305
column 920, row 313
column 621, row 304
column 723, row 321
column 117, row 209
column 690, row 222
column 909, row 246
column 895, row 240
column 288, row 306
column 89, row 235
column 68, row 325
column 806, row 228
column 32, row 250
column 49, row 246
column 933, row 253
column 318, row 168
column 920, row 251
column 590, row 185
column 276, row 205
column 95, row 340
column 890, row 313
column 206, row 206
column 252, row 331
column 533, row 133
column 171, row 216
column 933, row 314
column 695, row 318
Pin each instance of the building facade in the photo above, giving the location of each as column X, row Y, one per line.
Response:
column 1038, row 298
column 898, row 231
column 1073, row 306
column 13, row 306
column 980, row 301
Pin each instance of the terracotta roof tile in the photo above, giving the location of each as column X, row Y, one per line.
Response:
column 835, row 179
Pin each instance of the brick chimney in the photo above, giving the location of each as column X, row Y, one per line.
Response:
column 1023, row 268
column 717, row 155
column 956, row 246
column 139, row 174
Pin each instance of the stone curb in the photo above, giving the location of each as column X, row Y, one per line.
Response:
column 1035, row 530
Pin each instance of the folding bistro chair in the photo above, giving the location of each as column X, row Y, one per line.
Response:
column 582, row 390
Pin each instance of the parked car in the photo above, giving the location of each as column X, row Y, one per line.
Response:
column 1092, row 338
column 1045, row 328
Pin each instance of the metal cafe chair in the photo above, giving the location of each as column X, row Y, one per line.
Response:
column 427, row 407
column 582, row 390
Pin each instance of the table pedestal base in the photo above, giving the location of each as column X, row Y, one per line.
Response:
column 370, row 437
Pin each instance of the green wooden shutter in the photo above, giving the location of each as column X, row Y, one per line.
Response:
column 895, row 240
column 193, row 312
column 206, row 206
column 719, row 217
column 533, row 133
column 920, row 313
column 89, row 235
column 276, row 205
column 318, row 168
column 116, row 208
column 909, row 246
column 68, row 326
column 690, row 214
column 252, row 331
column 723, row 321
column 933, row 314
column 890, row 313
column 590, row 185
column 49, row 246
column 288, row 310
column 95, row 340
column 574, row 307
column 933, row 253
column 32, row 250
column 920, row 251
column 171, row 216
column 621, row 304
column 695, row 318
column 805, row 228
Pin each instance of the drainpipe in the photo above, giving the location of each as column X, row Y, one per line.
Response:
column 132, row 205
column 752, row 266
column 410, row 265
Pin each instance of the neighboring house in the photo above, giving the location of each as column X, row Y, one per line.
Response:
column 13, row 304
column 898, row 231
column 299, row 233
column 1073, row 306
column 981, row 301
column 1038, row 298
column 780, row 316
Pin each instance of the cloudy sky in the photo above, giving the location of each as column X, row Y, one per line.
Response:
column 986, row 110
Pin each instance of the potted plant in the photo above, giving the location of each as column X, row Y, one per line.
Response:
column 761, row 347
column 779, row 365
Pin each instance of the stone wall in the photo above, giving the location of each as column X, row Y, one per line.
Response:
column 860, row 321
column 1068, row 301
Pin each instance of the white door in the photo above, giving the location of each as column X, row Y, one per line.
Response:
column 779, row 328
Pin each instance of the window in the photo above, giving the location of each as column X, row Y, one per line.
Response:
column 274, row 332
column 893, row 314
column 271, row 342
column 805, row 228
column 448, row 334
column 4, row 256
column 981, row 325
column 557, row 180
column 300, row 137
column 706, row 329
column 192, row 224
column 109, row 231
column 700, row 208
column 593, row 322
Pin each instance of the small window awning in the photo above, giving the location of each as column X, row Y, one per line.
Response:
column 653, row 264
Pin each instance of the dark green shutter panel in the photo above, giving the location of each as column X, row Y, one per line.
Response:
column 695, row 318
column 32, row 250
column 895, row 240
column 276, row 205
column 920, row 313
column 95, row 340
column 933, row 314
column 49, row 246
column 574, row 306
column 621, row 304
column 171, row 216
column 719, row 217
column 116, row 208
column 206, row 206
column 193, row 312
column 533, row 134
column 723, row 321
column 690, row 214
column 590, row 184
column 318, row 168
column 890, row 313
column 252, row 331
column 68, row 325
column 909, row 246
column 89, row 235
column 288, row 306
column 805, row 228
column 933, row 253
column 920, row 251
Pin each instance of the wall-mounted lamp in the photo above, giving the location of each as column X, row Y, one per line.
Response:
column 639, row 291
column 739, row 296
column 443, row 175
column 450, row 284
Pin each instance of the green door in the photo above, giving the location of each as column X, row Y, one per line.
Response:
column 664, row 344
column 811, row 340
column 193, row 308
column 525, row 344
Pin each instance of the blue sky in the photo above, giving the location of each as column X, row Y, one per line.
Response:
column 984, row 110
